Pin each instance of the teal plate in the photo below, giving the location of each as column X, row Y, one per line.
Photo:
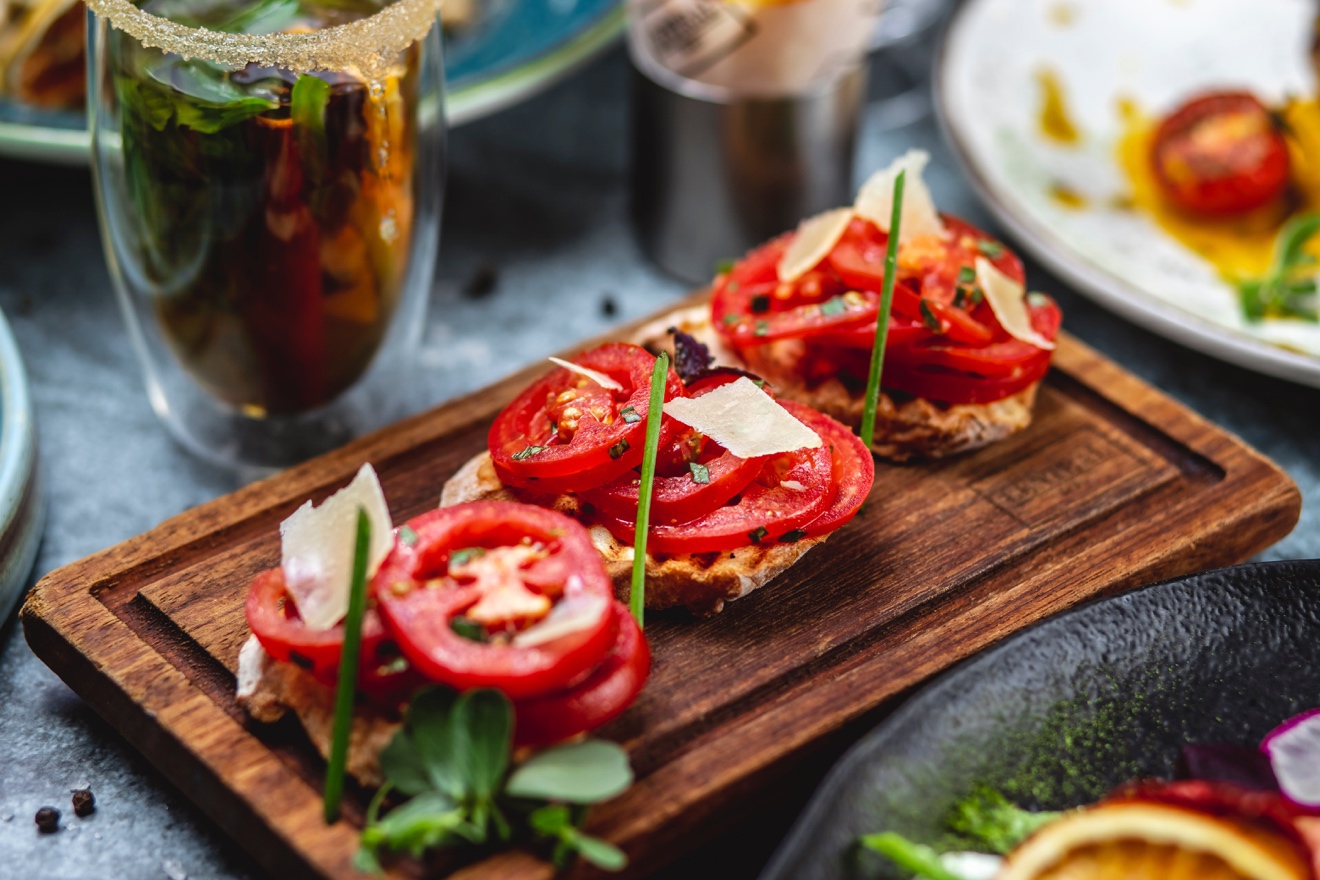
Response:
column 515, row 49
column 22, row 506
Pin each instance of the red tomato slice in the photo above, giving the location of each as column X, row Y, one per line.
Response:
column 566, row 432
column 599, row 698
column 1220, row 154
column 274, row 620
column 853, row 471
column 422, row 591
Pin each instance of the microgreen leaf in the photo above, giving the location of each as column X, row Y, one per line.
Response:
column 402, row 765
column 637, row 597
column 550, row 819
column 602, row 854
column 993, row 821
column 700, row 473
column 915, row 857
column 430, row 819
column 966, row 275
column 469, row 629
column 483, row 734
column 882, row 319
column 579, row 773
column 1280, row 291
column 348, row 671
column 428, row 724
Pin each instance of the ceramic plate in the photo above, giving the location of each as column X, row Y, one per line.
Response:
column 22, row 507
column 1155, row 54
column 516, row 49
column 1061, row 713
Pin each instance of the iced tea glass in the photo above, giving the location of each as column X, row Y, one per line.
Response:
column 268, row 179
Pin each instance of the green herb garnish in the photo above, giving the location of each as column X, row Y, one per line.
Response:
column 959, row 297
column 469, row 629
column 929, row 318
column 833, row 306
column 407, row 535
column 629, row 415
column 794, row 535
column 966, row 275
column 882, row 320
column 451, row 759
column 1036, row 299
column 700, row 473
column 909, row 855
column 527, row 453
column 732, row 319
column 637, row 597
column 618, row 449
column 723, row 267
column 1289, row 287
column 992, row 249
column 349, row 655
column 991, row 820
column 758, row 534
column 762, row 328
column 465, row 555
column 977, row 295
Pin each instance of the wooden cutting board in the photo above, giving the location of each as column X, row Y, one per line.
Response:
column 1113, row 486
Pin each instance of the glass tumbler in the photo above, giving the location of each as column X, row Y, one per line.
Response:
column 268, row 180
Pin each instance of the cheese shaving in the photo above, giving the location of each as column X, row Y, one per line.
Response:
column 599, row 378
column 875, row 201
column 317, row 546
column 744, row 420
column 1008, row 300
column 816, row 237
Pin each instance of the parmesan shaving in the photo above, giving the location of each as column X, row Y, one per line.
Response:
column 744, row 420
column 875, row 201
column 1008, row 300
column 599, row 378
column 816, row 237
column 317, row 545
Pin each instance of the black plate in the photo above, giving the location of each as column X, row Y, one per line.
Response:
column 1061, row 713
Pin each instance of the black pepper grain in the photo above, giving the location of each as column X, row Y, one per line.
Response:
column 608, row 307
column 48, row 820
column 84, row 803
column 485, row 278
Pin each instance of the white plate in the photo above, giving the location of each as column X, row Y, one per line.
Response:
column 22, row 506
column 1156, row 52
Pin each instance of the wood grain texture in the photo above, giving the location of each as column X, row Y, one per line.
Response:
column 1113, row 486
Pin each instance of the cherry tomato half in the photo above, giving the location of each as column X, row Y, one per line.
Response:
column 1220, row 154
column 599, row 698
column 566, row 432
column 468, row 563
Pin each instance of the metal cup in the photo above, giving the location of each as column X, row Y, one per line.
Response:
column 713, row 178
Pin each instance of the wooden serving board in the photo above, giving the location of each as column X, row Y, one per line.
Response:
column 1113, row 486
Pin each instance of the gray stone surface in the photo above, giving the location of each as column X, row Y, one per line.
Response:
column 539, row 193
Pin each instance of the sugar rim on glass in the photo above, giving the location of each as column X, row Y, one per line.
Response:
column 367, row 44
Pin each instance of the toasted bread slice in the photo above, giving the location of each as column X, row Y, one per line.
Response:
column 913, row 428
column 699, row 582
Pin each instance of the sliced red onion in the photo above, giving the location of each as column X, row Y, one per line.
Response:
column 1294, row 752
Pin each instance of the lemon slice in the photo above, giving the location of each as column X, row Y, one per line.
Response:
column 816, row 237
column 1150, row 841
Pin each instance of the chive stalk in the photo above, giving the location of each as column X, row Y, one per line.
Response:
column 882, row 320
column 637, row 596
column 348, row 671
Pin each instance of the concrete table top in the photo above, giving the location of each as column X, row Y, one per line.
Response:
column 539, row 195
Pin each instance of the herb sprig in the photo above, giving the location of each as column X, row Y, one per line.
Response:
column 637, row 597
column 1289, row 289
column 882, row 320
column 451, row 758
column 348, row 671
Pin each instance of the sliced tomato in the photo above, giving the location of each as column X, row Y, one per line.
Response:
column 852, row 467
column 597, row 699
column 424, row 592
column 566, row 432
column 274, row 620
column 1220, row 154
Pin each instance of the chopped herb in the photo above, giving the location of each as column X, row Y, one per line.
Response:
column 992, row 249
column 760, row 304
column 959, row 297
column 629, row 415
column 966, row 275
column 527, row 453
column 394, row 667
column 759, row 383
column 977, row 295
column 762, row 328
column 757, row 534
column 349, row 655
column 992, row 820
column 872, row 398
column 618, row 449
column 930, row 319
column 732, row 319
column 700, row 473
column 724, row 267
column 1289, row 288
column 1036, row 299
column 469, row 629
column 835, row 305
column 637, row 596
column 465, row 555
column 790, row 537
column 554, row 428
column 407, row 535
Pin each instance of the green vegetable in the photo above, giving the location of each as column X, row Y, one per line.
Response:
column 929, row 318
column 408, row 536
column 629, row 415
column 618, row 449
column 882, row 320
column 833, row 306
column 348, row 671
column 991, row 249
column 465, row 555
column 527, row 453
column 1289, row 287
column 758, row 534
column 637, row 596
column 724, row 267
column 700, row 473
column 451, row 758
column 469, row 629
column 915, row 857
column 990, row 819
column 966, row 275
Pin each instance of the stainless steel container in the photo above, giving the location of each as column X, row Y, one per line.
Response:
column 712, row 179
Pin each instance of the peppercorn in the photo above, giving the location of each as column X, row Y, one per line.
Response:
column 48, row 820
column 84, row 803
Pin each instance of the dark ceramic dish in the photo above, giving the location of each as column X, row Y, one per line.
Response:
column 1060, row 714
